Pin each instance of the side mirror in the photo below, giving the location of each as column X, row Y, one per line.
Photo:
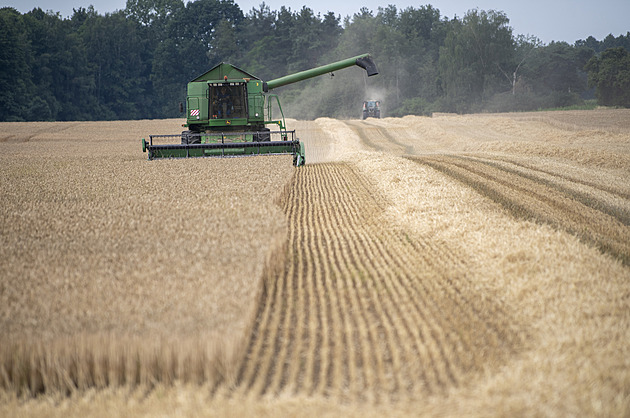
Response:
column 181, row 107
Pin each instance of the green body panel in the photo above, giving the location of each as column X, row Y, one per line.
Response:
column 256, row 101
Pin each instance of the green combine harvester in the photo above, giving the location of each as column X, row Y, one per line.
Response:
column 229, row 110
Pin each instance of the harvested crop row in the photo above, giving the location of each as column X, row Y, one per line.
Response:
column 614, row 187
column 363, row 313
column 529, row 196
column 380, row 139
column 588, row 144
column 611, row 120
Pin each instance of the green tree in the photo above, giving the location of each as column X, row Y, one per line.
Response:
column 137, row 63
column 524, row 47
column 474, row 51
column 203, row 18
column 262, row 31
column 610, row 75
column 609, row 42
column 226, row 42
column 189, row 48
column 153, row 13
column 311, row 38
column 558, row 67
column 421, row 34
column 16, row 86
column 161, row 43
column 119, row 69
column 613, row 42
column 60, row 68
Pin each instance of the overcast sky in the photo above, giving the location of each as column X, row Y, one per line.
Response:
column 549, row 20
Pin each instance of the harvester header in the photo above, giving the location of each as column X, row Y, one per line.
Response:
column 228, row 110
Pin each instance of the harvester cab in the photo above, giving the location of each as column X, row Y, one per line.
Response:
column 228, row 112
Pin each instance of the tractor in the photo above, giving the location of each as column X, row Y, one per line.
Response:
column 371, row 109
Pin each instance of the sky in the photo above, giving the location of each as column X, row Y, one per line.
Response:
column 549, row 20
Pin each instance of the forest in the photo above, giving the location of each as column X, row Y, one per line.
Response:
column 135, row 63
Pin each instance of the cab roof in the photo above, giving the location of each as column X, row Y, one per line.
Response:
column 220, row 71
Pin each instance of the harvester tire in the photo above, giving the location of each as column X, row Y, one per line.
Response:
column 189, row 138
column 263, row 135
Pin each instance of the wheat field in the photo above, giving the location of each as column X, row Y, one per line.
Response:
column 455, row 265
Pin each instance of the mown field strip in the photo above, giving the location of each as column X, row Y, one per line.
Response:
column 531, row 196
column 363, row 312
column 378, row 138
column 558, row 175
column 600, row 196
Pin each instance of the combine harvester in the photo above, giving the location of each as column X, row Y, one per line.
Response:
column 228, row 113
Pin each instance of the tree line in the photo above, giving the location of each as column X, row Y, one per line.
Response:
column 135, row 63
